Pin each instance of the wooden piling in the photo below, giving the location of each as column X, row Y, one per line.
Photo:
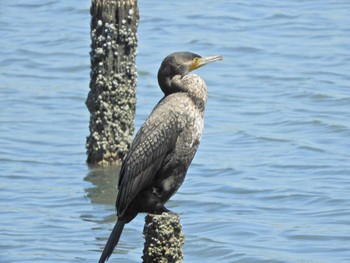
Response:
column 112, row 97
column 163, row 239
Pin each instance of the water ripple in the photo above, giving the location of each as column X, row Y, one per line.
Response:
column 270, row 180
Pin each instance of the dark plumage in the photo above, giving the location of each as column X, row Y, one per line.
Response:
column 165, row 145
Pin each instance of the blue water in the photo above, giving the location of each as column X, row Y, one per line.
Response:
column 270, row 182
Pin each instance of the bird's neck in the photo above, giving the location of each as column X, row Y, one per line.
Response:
column 171, row 84
column 193, row 86
column 165, row 85
column 199, row 100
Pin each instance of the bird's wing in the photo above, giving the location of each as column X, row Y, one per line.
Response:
column 155, row 139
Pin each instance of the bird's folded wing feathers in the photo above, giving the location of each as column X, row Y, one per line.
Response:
column 152, row 143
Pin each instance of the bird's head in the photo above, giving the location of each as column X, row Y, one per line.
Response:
column 180, row 64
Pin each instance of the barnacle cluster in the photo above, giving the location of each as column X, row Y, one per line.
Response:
column 163, row 238
column 111, row 100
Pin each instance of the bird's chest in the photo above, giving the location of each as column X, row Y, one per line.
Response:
column 189, row 138
column 185, row 149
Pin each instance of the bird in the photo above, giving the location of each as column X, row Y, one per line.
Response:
column 163, row 148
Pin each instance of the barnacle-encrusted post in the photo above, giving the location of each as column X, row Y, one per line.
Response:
column 163, row 239
column 111, row 100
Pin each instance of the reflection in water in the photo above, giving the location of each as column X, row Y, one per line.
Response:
column 271, row 180
column 104, row 180
column 104, row 191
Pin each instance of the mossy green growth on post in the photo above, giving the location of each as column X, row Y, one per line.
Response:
column 163, row 239
column 112, row 97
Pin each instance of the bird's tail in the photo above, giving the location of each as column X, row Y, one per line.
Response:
column 112, row 241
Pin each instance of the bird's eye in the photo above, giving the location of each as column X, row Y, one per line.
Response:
column 195, row 64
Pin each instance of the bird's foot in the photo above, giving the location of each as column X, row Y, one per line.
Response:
column 156, row 191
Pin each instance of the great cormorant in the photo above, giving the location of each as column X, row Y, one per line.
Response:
column 165, row 145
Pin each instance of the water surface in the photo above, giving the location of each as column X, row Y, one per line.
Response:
column 270, row 182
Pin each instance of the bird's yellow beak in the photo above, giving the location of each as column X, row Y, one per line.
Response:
column 201, row 61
